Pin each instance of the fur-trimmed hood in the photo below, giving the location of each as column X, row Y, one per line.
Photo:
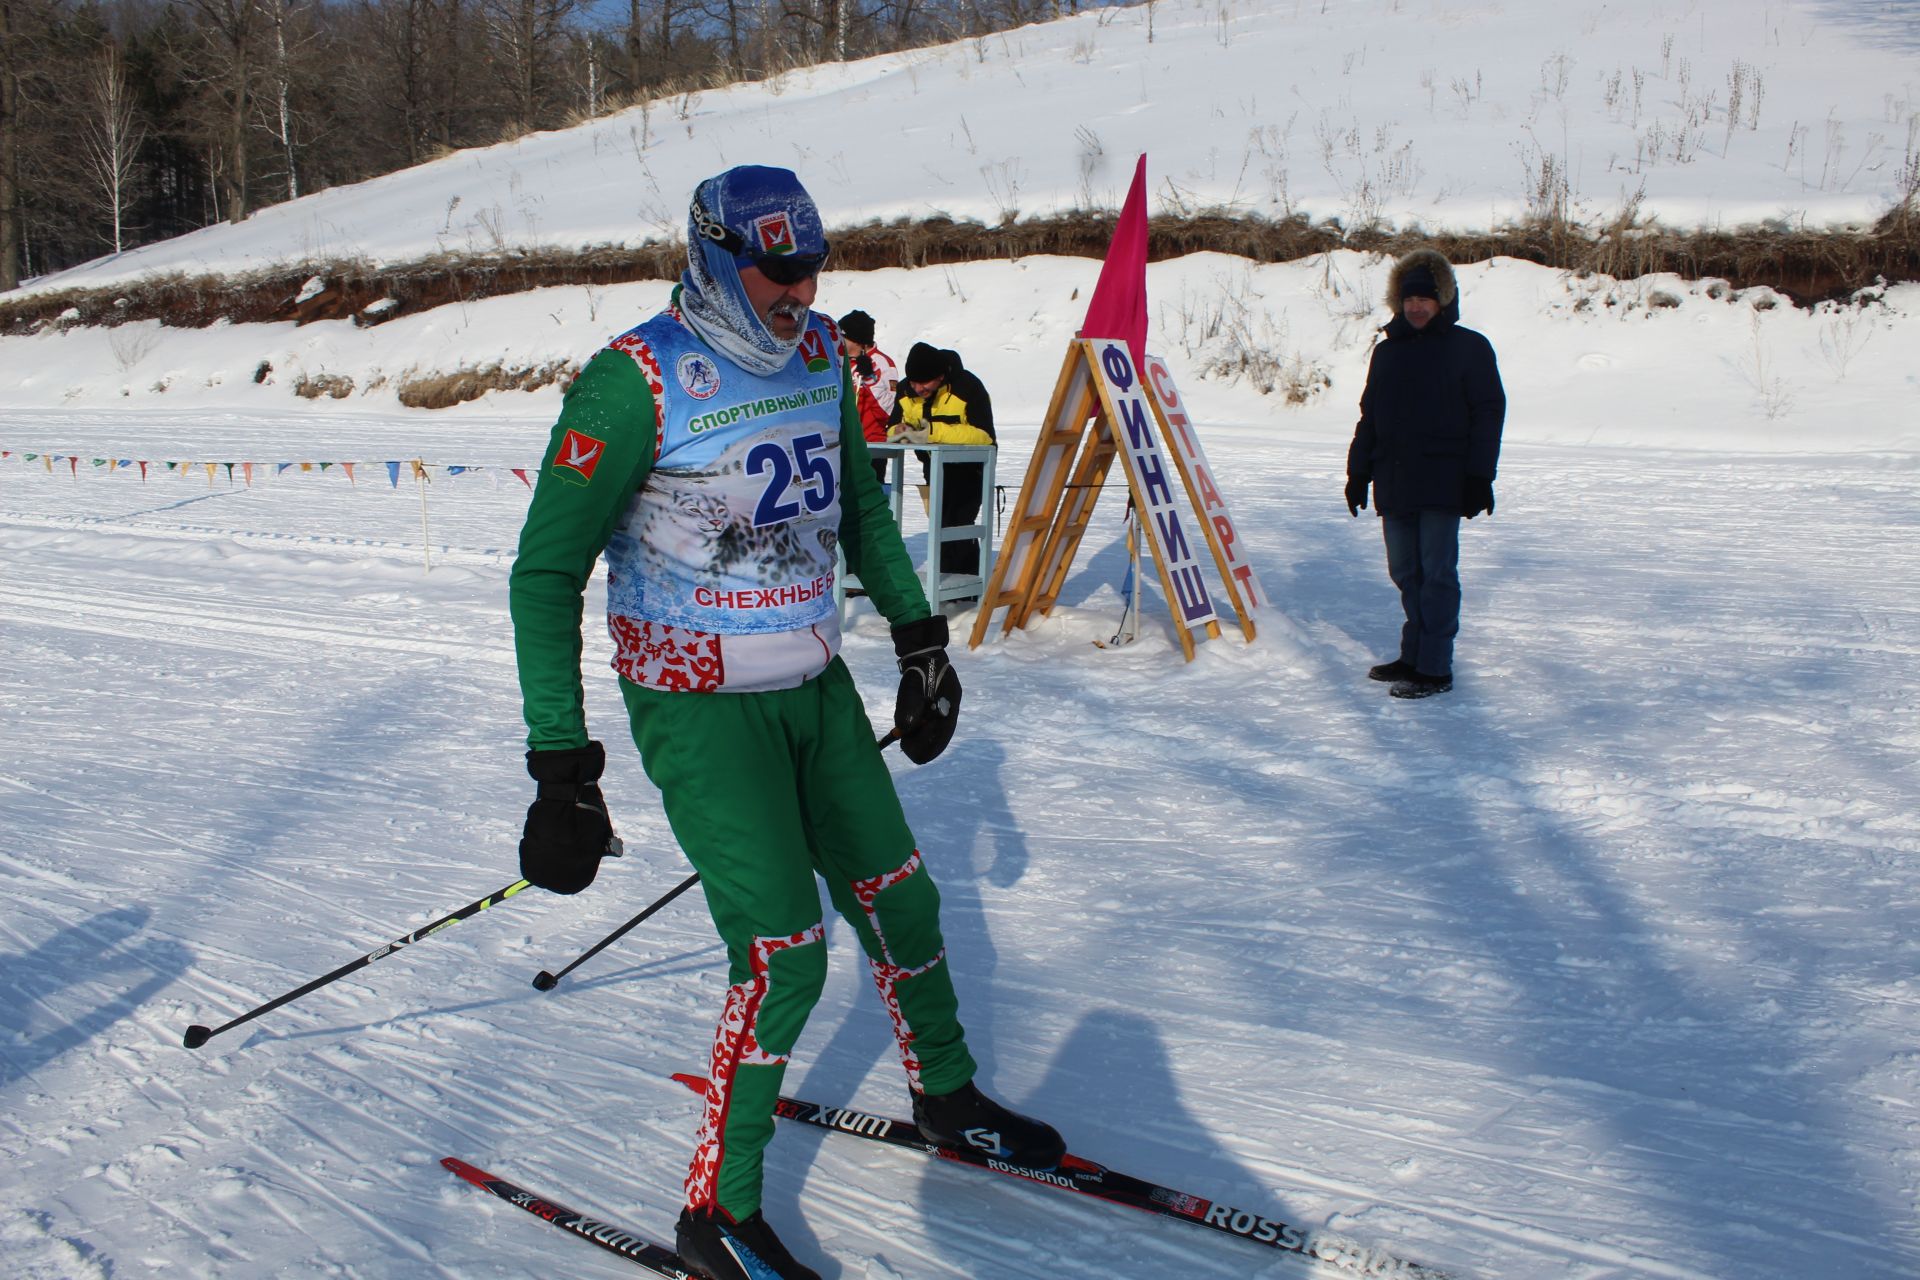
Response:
column 1434, row 261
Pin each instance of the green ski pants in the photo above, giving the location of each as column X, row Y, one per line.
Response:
column 764, row 791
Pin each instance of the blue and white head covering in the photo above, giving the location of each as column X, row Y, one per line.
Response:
column 750, row 215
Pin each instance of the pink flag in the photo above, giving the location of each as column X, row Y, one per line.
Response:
column 1118, row 308
column 522, row 473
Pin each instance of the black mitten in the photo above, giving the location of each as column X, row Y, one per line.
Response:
column 1356, row 494
column 1476, row 495
column 567, row 831
column 928, row 703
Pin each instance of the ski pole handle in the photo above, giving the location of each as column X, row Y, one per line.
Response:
column 198, row 1035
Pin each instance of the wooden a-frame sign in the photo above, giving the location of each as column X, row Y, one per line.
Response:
column 1103, row 408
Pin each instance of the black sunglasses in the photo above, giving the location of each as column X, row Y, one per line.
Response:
column 781, row 268
column 791, row 268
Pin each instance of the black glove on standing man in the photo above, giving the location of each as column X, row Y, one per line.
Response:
column 929, row 700
column 1476, row 495
column 1356, row 494
column 568, row 830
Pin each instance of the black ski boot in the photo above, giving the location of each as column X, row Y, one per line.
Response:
column 716, row 1246
column 968, row 1118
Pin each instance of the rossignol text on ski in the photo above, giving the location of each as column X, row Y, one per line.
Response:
column 1102, row 1183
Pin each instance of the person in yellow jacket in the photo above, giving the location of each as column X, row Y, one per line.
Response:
column 941, row 402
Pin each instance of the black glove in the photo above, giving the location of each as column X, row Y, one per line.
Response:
column 568, row 830
column 1356, row 494
column 929, row 700
column 1476, row 495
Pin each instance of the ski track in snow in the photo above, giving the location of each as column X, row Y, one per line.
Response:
column 1601, row 966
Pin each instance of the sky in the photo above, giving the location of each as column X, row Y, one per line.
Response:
column 1602, row 965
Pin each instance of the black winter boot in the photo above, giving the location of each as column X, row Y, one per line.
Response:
column 1398, row 669
column 1421, row 686
column 716, row 1246
column 969, row 1118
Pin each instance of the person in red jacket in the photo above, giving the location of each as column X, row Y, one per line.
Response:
column 874, row 378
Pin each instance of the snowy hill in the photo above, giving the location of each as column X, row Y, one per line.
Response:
column 1602, row 966
column 1437, row 113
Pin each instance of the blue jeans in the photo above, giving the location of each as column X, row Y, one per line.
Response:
column 1423, row 559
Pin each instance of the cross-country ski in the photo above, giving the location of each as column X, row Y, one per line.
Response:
column 653, row 1258
column 1103, row 1183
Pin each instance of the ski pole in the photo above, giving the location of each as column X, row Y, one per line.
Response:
column 545, row 981
column 198, row 1035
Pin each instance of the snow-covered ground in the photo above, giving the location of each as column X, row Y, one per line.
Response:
column 1602, row 965
column 1606, row 964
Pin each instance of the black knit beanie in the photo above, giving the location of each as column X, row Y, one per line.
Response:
column 1419, row 283
column 858, row 325
column 925, row 363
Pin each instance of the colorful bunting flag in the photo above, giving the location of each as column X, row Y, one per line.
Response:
column 417, row 467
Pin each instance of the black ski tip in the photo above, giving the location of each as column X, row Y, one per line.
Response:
column 196, row 1036
column 544, row 981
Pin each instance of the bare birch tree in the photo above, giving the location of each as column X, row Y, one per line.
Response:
column 111, row 135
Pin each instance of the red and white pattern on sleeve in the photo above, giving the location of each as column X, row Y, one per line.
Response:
column 735, row 1043
column 658, row 656
column 886, row 373
column 635, row 346
column 874, row 396
column 887, row 976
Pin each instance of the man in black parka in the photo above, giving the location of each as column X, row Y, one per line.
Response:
column 1428, row 441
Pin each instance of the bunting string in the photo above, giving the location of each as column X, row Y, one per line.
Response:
column 416, row 468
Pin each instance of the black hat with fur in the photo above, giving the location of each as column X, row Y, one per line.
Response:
column 1424, row 273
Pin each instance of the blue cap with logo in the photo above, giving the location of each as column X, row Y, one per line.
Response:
column 761, row 217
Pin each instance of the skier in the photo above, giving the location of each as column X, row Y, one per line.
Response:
column 1428, row 441
column 714, row 454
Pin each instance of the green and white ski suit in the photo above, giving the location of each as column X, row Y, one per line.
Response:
column 718, row 498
